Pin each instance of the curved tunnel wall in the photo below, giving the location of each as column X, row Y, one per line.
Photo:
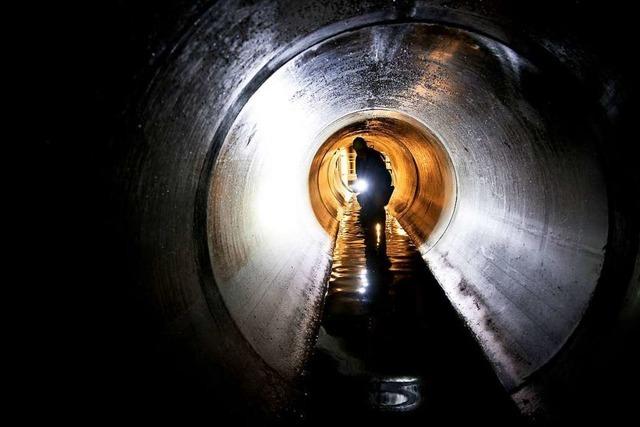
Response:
column 235, row 137
column 523, row 252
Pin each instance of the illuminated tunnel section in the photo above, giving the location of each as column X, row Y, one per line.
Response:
column 499, row 182
column 422, row 174
column 510, row 261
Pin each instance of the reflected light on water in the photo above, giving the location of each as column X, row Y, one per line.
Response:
column 364, row 281
column 401, row 394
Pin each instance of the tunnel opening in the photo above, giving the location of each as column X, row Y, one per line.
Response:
column 421, row 171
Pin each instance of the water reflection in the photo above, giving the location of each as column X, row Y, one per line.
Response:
column 400, row 394
column 390, row 346
column 365, row 311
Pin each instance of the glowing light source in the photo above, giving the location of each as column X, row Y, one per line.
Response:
column 361, row 186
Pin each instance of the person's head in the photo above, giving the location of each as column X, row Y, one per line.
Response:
column 359, row 144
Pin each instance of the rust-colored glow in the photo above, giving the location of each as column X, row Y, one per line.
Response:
column 422, row 174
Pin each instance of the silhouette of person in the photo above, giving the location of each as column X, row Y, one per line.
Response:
column 372, row 170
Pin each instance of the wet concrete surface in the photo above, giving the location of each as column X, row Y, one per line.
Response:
column 390, row 345
column 527, row 207
column 519, row 257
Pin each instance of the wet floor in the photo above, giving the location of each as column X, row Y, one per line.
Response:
column 390, row 346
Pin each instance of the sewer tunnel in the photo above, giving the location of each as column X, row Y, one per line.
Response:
column 501, row 183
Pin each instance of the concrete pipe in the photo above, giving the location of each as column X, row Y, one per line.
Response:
column 502, row 170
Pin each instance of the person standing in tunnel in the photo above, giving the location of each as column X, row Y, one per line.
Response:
column 374, row 181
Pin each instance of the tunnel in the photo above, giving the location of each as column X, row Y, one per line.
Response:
column 503, row 128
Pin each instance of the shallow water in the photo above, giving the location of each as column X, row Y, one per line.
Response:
column 390, row 345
